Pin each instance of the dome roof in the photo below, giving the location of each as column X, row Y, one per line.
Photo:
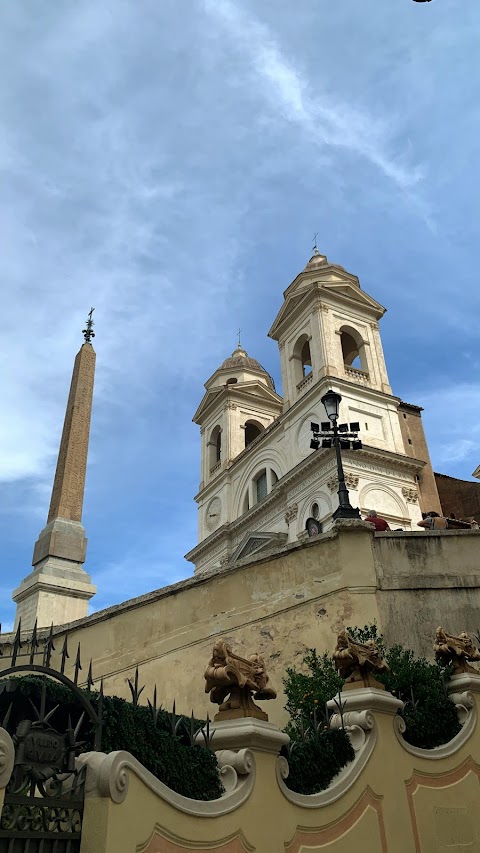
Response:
column 317, row 260
column 240, row 360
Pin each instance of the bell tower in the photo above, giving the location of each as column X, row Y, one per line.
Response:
column 328, row 326
column 240, row 403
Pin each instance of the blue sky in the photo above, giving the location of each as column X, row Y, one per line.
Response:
column 168, row 164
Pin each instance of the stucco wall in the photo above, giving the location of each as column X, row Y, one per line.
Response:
column 427, row 580
column 282, row 605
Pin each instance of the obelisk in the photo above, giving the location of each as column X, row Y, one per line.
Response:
column 58, row 589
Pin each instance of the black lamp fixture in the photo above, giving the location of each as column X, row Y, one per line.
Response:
column 341, row 437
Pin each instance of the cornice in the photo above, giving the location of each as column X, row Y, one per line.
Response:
column 239, row 391
column 329, row 292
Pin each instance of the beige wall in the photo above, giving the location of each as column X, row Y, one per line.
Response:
column 283, row 605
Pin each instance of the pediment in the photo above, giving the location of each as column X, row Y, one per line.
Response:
column 239, row 393
column 333, row 286
column 255, row 543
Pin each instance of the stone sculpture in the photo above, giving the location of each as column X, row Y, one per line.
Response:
column 456, row 651
column 357, row 662
column 232, row 681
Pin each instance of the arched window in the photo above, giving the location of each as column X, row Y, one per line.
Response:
column 302, row 358
column 353, row 350
column 261, row 486
column 252, row 430
column 215, row 447
column 306, row 359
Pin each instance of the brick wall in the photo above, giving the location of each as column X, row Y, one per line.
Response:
column 461, row 497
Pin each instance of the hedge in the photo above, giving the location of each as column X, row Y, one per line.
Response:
column 188, row 770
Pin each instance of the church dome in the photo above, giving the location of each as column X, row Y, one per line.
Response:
column 317, row 260
column 240, row 360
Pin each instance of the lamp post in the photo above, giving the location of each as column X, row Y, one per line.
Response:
column 342, row 438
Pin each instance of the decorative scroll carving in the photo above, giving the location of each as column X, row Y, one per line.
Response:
column 357, row 662
column 351, row 481
column 291, row 513
column 230, row 406
column 410, row 495
column 7, row 757
column 232, row 681
column 456, row 651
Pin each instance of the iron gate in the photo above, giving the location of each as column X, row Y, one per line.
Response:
column 44, row 799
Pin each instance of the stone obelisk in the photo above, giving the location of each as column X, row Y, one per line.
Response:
column 58, row 589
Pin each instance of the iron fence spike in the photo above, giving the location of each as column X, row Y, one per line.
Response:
column 65, row 654
column 16, row 643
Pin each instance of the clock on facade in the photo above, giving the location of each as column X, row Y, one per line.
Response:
column 213, row 514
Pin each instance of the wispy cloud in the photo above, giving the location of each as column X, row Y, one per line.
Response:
column 452, row 426
column 327, row 121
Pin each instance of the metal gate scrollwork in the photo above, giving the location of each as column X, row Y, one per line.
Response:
column 44, row 799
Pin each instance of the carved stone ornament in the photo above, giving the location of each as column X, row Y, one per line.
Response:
column 230, row 405
column 410, row 495
column 7, row 757
column 232, row 681
column 351, row 481
column 291, row 513
column 358, row 662
column 456, row 651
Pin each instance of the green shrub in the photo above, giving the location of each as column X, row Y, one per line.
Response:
column 308, row 692
column 315, row 761
column 430, row 715
column 189, row 770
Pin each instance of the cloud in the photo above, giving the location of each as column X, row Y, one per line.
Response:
column 325, row 120
column 451, row 424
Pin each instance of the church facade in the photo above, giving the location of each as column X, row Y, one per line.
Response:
column 260, row 480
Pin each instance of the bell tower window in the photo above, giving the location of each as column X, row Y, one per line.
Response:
column 261, row 486
column 302, row 359
column 306, row 359
column 215, row 447
column 252, row 431
column 353, row 349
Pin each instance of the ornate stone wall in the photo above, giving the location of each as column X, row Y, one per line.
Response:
column 392, row 798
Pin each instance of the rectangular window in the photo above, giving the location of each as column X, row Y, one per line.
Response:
column 262, row 486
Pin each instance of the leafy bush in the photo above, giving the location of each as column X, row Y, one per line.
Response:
column 307, row 693
column 189, row 770
column 315, row 755
column 430, row 715
column 315, row 761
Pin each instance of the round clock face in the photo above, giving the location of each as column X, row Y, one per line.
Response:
column 213, row 514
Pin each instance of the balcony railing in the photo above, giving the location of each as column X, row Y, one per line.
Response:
column 305, row 381
column 357, row 375
column 216, row 467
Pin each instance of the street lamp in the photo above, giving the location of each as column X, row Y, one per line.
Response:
column 342, row 438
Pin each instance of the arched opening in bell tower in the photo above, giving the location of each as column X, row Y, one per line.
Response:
column 353, row 349
column 215, row 447
column 302, row 358
column 252, row 430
